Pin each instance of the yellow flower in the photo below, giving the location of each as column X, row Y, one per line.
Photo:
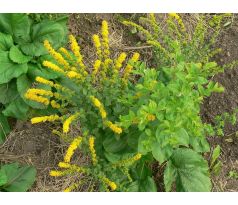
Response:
column 92, row 150
column 113, row 127
column 44, row 81
column 57, row 56
column 68, row 121
column 105, row 40
column 65, row 52
column 36, row 98
column 70, row 151
column 76, row 50
column 54, row 104
column 64, row 165
column 128, row 161
column 150, row 117
column 179, row 20
column 49, row 118
column 120, row 60
column 96, row 67
column 55, row 173
column 129, row 67
column 110, row 183
column 97, row 45
column 35, row 91
column 52, row 66
column 100, row 107
column 73, row 74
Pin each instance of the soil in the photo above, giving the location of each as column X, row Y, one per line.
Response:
column 35, row 145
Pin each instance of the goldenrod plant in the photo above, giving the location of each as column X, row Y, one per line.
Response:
column 130, row 115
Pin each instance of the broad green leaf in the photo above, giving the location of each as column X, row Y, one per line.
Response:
column 113, row 145
column 9, row 69
column 112, row 157
column 3, row 178
column 161, row 154
column 6, row 42
column 191, row 171
column 8, row 92
column 133, row 187
column 183, row 138
column 215, row 154
column 4, row 128
column 147, row 185
column 144, row 144
column 169, row 176
column 17, row 109
column 17, row 56
column 17, row 25
column 46, row 30
column 20, row 179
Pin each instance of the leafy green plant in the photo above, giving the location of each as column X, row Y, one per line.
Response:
column 21, row 54
column 233, row 174
column 130, row 115
column 16, row 178
column 215, row 164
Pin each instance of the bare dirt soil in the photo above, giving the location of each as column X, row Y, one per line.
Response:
column 35, row 145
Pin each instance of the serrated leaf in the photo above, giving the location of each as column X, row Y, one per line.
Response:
column 6, row 42
column 169, row 176
column 17, row 109
column 161, row 154
column 4, row 128
column 113, row 145
column 9, row 69
column 17, row 56
column 20, row 179
column 191, row 171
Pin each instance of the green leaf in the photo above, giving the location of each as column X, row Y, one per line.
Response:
column 17, row 109
column 17, row 56
column 3, row 178
column 189, row 170
column 20, row 179
column 133, row 187
column 112, row 157
column 17, row 25
column 46, row 30
column 147, row 185
column 4, row 128
column 8, row 92
column 8, row 69
column 216, row 153
column 6, row 42
column 161, row 154
column 113, row 145
column 183, row 138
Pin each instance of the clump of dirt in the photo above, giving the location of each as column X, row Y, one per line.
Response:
column 219, row 103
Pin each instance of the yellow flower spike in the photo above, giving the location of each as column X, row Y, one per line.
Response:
column 120, row 60
column 100, row 107
column 71, row 188
column 150, row 117
column 52, row 66
column 129, row 67
column 65, row 52
column 76, row 50
column 57, row 56
column 35, row 91
column 55, row 173
column 110, row 183
column 44, row 81
column 92, row 150
column 105, row 40
column 113, row 127
column 179, row 20
column 64, row 165
column 54, row 104
column 68, row 121
column 37, row 98
column 97, row 44
column 96, row 67
column 72, row 147
column 49, row 118
column 73, row 74
column 128, row 161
